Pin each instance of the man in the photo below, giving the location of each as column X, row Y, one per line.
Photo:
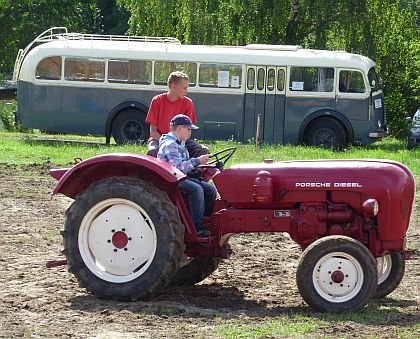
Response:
column 165, row 106
column 201, row 195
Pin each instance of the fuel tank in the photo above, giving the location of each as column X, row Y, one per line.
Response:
column 350, row 182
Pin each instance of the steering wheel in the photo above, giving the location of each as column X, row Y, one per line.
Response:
column 220, row 158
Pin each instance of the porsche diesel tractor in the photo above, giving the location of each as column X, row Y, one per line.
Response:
column 128, row 233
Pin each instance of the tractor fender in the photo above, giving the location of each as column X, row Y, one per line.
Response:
column 76, row 179
column 326, row 113
column 117, row 110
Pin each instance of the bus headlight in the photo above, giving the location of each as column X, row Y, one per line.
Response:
column 370, row 208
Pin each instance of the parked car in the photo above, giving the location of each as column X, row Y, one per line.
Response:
column 413, row 138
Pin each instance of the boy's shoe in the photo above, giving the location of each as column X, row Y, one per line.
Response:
column 203, row 233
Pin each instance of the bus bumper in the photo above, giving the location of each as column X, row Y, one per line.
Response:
column 379, row 134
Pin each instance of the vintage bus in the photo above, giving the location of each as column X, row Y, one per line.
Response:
column 103, row 85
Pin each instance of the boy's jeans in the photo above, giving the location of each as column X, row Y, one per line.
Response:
column 201, row 197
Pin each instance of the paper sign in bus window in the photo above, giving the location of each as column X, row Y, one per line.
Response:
column 223, row 78
column 297, row 85
column 378, row 103
column 234, row 81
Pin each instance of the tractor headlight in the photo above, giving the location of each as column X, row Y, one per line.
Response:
column 370, row 208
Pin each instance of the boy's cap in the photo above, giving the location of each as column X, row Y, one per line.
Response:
column 182, row 120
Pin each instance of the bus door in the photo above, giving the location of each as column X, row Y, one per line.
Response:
column 275, row 99
column 352, row 96
column 265, row 97
column 249, row 107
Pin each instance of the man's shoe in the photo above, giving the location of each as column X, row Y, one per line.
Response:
column 203, row 233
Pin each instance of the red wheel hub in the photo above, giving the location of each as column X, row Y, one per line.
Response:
column 337, row 276
column 119, row 239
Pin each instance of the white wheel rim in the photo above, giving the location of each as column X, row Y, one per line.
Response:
column 117, row 240
column 384, row 265
column 338, row 277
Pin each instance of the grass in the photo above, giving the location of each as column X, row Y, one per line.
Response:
column 283, row 327
column 300, row 325
column 21, row 148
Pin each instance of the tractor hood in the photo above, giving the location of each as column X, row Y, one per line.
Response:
column 282, row 185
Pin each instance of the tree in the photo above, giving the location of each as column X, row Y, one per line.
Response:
column 23, row 20
column 381, row 30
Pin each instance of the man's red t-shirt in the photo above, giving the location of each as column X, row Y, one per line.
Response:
column 162, row 111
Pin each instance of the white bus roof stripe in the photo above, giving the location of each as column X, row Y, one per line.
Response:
column 194, row 53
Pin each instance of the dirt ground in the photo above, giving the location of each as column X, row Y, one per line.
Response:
column 255, row 286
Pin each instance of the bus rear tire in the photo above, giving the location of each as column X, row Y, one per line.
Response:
column 129, row 127
column 327, row 133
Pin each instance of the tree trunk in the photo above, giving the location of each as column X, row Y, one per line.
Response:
column 292, row 25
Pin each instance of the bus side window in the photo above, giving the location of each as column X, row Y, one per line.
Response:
column 80, row 69
column 220, row 75
column 271, row 79
column 250, row 82
column 49, row 69
column 261, row 79
column 164, row 68
column 280, row 80
column 312, row 79
column 130, row 71
column 351, row 82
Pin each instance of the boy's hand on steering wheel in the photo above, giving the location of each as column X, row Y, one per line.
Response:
column 203, row 159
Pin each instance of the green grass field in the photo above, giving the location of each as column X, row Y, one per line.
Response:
column 21, row 148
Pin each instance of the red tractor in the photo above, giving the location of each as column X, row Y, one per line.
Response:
column 128, row 233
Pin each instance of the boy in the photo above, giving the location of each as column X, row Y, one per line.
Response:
column 201, row 195
column 165, row 106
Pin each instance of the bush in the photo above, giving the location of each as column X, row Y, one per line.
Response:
column 7, row 117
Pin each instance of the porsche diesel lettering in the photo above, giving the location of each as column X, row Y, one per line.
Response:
column 327, row 184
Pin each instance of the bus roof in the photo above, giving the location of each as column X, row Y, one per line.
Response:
column 273, row 55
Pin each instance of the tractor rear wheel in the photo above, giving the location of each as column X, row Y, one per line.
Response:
column 194, row 270
column 123, row 239
column 391, row 269
column 337, row 274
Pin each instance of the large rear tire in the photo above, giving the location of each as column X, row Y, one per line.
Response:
column 123, row 239
column 337, row 274
column 391, row 269
column 129, row 127
column 194, row 270
column 326, row 132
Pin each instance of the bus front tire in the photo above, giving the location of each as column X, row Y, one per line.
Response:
column 129, row 127
column 327, row 133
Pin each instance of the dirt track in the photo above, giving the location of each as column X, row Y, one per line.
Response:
column 256, row 285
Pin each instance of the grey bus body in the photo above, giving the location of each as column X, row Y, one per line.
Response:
column 254, row 86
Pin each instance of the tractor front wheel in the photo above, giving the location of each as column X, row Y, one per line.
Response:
column 123, row 239
column 391, row 269
column 337, row 274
